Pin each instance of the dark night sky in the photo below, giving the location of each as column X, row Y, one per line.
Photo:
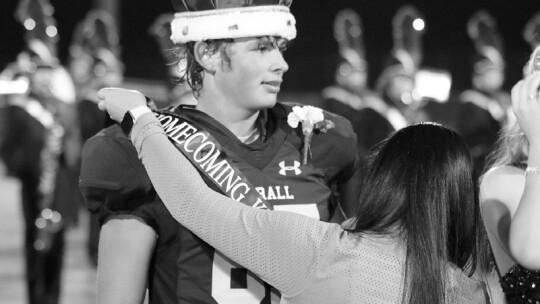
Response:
column 312, row 56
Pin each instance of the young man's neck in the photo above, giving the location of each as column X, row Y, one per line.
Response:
column 238, row 120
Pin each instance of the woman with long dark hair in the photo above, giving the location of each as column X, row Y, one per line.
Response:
column 414, row 240
column 420, row 189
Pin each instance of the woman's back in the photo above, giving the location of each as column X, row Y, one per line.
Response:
column 371, row 269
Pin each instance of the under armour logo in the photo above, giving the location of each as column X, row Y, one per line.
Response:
column 295, row 168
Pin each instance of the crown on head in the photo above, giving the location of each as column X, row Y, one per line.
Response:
column 200, row 20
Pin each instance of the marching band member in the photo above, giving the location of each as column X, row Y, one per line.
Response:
column 396, row 84
column 42, row 149
column 485, row 108
column 94, row 63
column 506, row 218
column 178, row 92
column 350, row 97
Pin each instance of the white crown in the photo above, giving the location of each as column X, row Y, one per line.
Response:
column 240, row 22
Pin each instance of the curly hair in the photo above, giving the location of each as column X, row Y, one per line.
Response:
column 192, row 72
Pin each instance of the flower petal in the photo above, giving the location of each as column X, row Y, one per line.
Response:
column 300, row 112
column 293, row 120
column 315, row 114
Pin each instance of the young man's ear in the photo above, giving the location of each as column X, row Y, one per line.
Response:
column 208, row 59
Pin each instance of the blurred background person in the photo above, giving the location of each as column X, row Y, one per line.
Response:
column 501, row 189
column 396, row 84
column 41, row 147
column 94, row 62
column 177, row 92
column 485, row 108
column 350, row 95
column 531, row 34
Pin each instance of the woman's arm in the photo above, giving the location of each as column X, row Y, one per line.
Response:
column 525, row 228
column 126, row 244
column 280, row 247
column 500, row 191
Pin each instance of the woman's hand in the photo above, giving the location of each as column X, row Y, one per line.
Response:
column 118, row 101
column 524, row 238
column 526, row 105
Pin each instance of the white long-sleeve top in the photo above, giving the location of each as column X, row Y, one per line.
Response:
column 308, row 261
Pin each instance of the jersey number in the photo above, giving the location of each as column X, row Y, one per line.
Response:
column 232, row 285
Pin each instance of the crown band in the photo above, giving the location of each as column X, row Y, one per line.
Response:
column 254, row 21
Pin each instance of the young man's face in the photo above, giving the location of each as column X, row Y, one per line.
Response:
column 255, row 74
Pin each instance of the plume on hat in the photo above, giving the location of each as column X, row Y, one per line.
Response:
column 349, row 35
column 482, row 29
column 41, row 32
column 97, row 30
column 533, row 66
column 408, row 36
column 531, row 32
column 160, row 30
column 406, row 55
column 95, row 47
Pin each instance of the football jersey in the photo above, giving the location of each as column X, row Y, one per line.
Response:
column 184, row 269
column 309, row 261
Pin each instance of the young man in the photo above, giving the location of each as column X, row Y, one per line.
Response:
column 242, row 143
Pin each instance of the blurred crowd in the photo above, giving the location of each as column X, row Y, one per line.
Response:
column 49, row 109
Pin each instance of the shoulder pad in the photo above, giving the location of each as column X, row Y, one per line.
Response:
column 113, row 179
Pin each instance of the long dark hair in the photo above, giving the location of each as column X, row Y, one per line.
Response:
column 420, row 183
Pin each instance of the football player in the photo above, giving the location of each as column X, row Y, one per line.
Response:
column 245, row 145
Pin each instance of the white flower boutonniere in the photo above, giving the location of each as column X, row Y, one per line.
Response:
column 312, row 119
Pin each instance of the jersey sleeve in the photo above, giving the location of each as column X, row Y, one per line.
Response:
column 260, row 240
column 112, row 180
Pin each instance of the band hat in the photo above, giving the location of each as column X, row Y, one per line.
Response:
column 349, row 34
column 487, row 40
column 234, row 22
